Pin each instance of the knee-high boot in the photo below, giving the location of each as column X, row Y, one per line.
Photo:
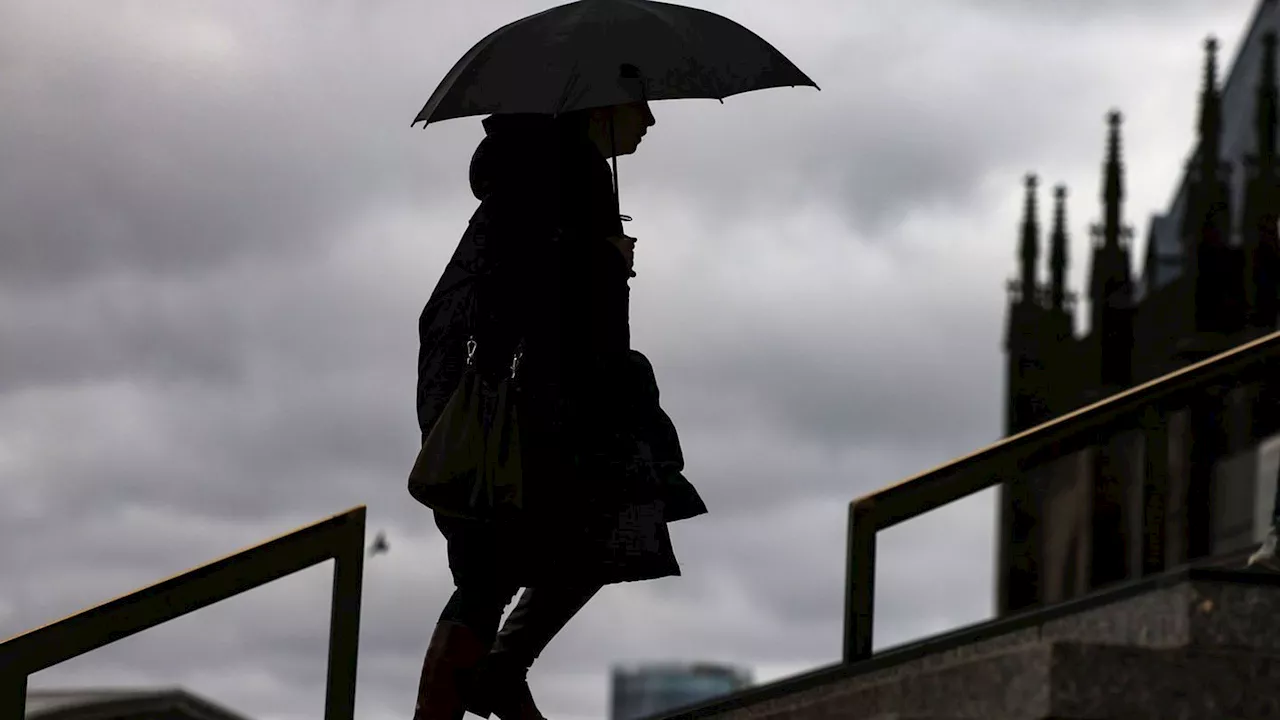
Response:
column 451, row 659
column 501, row 687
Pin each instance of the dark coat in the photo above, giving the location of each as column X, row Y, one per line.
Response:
column 602, row 461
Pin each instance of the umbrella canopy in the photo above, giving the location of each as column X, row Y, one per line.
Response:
column 596, row 53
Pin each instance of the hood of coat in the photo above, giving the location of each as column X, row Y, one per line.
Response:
column 520, row 147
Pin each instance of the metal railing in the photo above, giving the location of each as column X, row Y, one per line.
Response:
column 340, row 538
column 1006, row 460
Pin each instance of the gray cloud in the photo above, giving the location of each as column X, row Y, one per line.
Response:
column 176, row 143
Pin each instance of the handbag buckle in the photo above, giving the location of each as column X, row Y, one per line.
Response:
column 515, row 363
column 471, row 349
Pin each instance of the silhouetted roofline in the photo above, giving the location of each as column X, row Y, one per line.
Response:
column 1164, row 239
column 77, row 703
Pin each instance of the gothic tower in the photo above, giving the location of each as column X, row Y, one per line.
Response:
column 1018, row 566
column 1212, row 285
column 1111, row 347
column 1059, row 336
column 1025, row 405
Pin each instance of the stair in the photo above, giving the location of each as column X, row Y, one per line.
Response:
column 1195, row 644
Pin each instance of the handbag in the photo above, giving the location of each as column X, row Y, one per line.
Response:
column 469, row 465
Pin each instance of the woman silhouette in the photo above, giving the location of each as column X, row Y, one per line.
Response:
column 544, row 261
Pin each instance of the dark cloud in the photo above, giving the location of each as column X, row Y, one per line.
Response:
column 190, row 141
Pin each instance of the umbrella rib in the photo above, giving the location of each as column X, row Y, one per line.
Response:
column 569, row 84
column 574, row 75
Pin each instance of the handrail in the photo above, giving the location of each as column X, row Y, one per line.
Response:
column 1002, row 460
column 340, row 538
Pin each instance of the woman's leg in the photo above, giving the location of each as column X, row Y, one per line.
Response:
column 465, row 631
column 1265, row 555
column 538, row 617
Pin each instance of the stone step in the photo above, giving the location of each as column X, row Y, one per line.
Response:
column 1059, row 680
column 1190, row 644
column 900, row 716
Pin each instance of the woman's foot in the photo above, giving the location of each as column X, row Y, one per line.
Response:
column 1265, row 555
column 452, row 656
column 500, row 687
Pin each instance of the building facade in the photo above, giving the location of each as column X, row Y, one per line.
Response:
column 1206, row 282
column 647, row 690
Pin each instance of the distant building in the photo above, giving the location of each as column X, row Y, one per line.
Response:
column 646, row 690
column 115, row 704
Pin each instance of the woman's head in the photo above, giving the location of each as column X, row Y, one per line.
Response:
column 630, row 122
column 530, row 130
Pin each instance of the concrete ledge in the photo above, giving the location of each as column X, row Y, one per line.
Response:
column 1102, row 681
column 1052, row 679
column 1184, row 626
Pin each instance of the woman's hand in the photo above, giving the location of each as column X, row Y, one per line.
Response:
column 627, row 246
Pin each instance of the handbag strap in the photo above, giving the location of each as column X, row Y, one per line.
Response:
column 473, row 321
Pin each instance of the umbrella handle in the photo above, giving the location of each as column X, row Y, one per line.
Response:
column 613, row 147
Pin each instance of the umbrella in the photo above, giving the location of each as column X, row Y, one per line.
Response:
column 597, row 53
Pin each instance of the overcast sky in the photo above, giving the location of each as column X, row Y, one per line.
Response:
column 218, row 232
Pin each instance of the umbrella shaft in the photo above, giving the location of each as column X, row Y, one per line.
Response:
column 613, row 147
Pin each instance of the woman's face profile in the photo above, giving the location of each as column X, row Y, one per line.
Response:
column 631, row 122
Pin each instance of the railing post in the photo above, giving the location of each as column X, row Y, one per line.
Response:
column 13, row 696
column 1207, row 446
column 860, row 581
column 344, row 623
column 1155, row 491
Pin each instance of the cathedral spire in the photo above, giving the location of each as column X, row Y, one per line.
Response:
column 1266, row 104
column 1113, row 184
column 1058, row 250
column 1029, row 249
column 1110, row 281
column 1211, row 260
column 1210, row 109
